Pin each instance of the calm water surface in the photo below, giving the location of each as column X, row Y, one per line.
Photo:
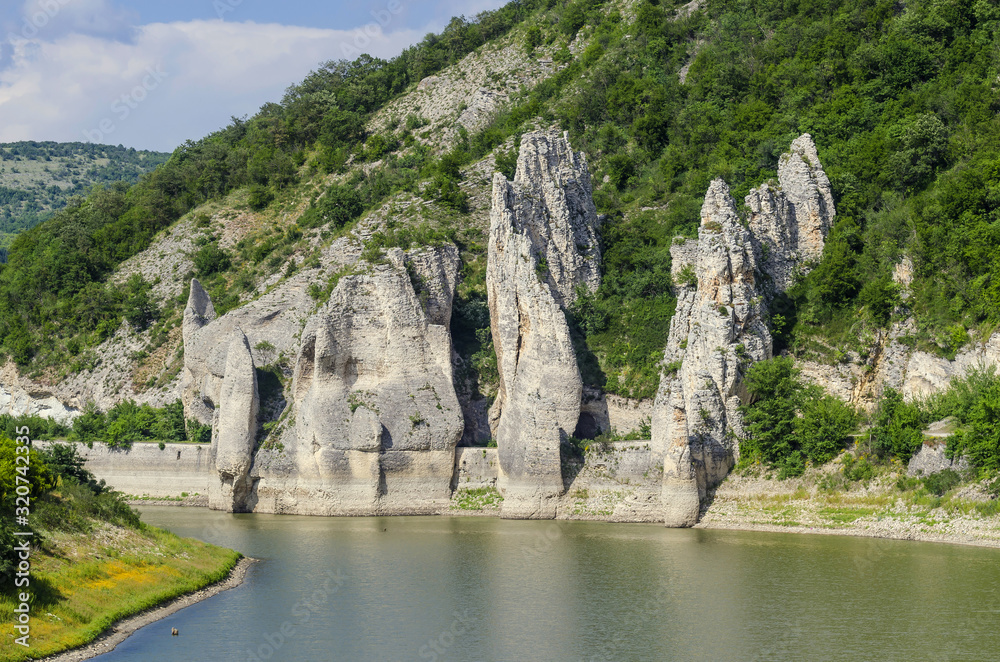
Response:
column 487, row 589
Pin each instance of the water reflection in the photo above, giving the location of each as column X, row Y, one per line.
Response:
column 485, row 589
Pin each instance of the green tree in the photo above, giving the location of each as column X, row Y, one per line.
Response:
column 824, row 427
column 898, row 428
column 769, row 419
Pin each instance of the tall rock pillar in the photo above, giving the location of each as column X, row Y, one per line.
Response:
column 543, row 247
column 723, row 280
column 235, row 431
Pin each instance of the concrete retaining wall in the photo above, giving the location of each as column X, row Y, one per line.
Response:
column 145, row 470
column 475, row 467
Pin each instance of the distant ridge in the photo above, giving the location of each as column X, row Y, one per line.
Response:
column 39, row 178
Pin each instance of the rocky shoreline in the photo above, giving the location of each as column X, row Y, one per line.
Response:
column 877, row 509
column 123, row 629
column 760, row 504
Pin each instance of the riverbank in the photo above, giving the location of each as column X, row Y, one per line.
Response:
column 818, row 502
column 85, row 583
column 886, row 506
column 123, row 629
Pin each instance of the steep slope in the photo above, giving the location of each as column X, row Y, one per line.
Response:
column 369, row 157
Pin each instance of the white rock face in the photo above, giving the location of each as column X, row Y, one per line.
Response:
column 791, row 222
column 19, row 397
column 553, row 204
column 543, row 246
column 234, row 433
column 716, row 332
column 927, row 374
column 274, row 321
column 200, row 383
column 376, row 418
column 931, row 459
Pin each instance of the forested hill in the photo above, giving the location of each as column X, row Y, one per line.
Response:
column 39, row 178
column 901, row 99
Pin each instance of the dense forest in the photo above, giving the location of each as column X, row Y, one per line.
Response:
column 39, row 178
column 901, row 101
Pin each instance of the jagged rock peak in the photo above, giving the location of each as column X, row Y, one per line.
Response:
column 716, row 332
column 543, row 246
column 199, row 310
column 555, row 208
column 792, row 222
column 235, row 431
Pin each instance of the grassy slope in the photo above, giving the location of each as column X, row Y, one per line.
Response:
column 82, row 583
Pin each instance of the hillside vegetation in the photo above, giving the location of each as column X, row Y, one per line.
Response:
column 663, row 96
column 39, row 178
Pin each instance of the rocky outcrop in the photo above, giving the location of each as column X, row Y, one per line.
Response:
column 791, row 221
column 543, row 246
column 926, row 374
column 200, row 382
column 376, row 419
column 716, row 332
column 234, row 433
column 931, row 459
column 723, row 281
column 21, row 397
column 272, row 324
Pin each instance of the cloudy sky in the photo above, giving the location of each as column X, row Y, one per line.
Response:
column 151, row 74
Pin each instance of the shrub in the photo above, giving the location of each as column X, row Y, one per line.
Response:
column 340, row 206
column 260, row 197
column 211, row 259
column 898, row 428
column 941, row 482
column 789, row 422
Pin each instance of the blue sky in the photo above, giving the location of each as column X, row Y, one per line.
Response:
column 152, row 74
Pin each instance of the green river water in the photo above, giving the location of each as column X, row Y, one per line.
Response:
column 437, row 588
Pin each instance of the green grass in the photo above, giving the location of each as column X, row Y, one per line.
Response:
column 81, row 583
column 477, row 498
column 844, row 515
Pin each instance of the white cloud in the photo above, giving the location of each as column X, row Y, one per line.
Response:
column 168, row 83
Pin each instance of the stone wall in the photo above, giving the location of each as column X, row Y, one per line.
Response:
column 145, row 470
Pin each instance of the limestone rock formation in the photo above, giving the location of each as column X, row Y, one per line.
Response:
column 543, row 246
column 792, row 221
column 272, row 321
column 931, row 459
column 234, row 433
column 376, row 418
column 20, row 397
column 199, row 379
column 716, row 332
column 552, row 200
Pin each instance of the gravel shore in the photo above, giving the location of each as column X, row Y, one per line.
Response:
column 877, row 509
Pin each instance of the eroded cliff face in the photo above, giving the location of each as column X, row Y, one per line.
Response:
column 723, row 281
column 543, row 246
column 716, row 333
column 234, row 432
column 790, row 222
column 375, row 419
column 203, row 369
